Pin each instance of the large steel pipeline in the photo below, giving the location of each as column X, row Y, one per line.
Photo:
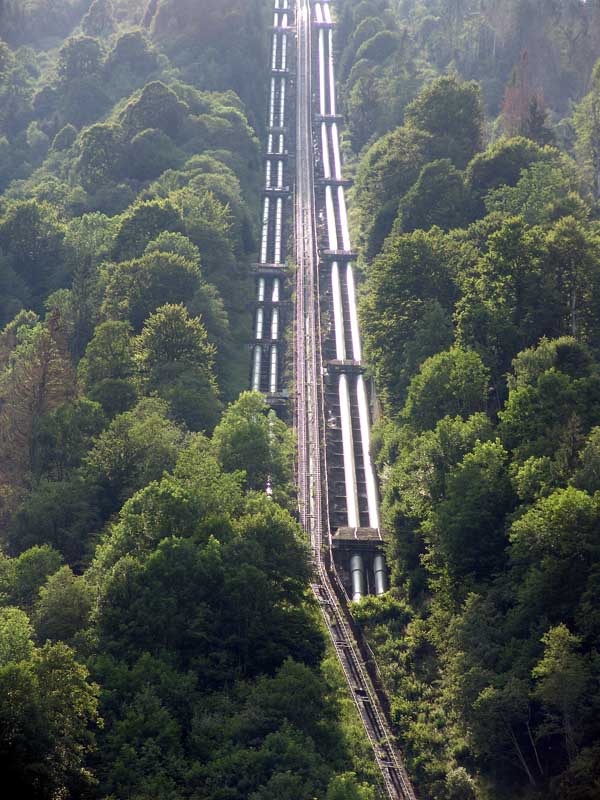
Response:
column 265, row 366
column 337, row 218
column 310, row 421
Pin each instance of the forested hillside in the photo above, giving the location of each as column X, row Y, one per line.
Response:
column 156, row 637
column 474, row 132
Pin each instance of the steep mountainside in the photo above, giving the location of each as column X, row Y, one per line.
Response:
column 474, row 134
column 156, row 636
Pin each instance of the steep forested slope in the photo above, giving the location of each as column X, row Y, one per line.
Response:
column 156, row 639
column 518, row 50
column 474, row 132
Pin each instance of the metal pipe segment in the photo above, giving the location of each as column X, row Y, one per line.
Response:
column 274, row 56
column 332, row 106
column 278, row 222
column 338, row 312
column 273, row 375
column 256, row 368
column 330, row 214
column 322, row 96
column 272, row 104
column 348, row 454
column 284, row 51
column 359, row 583
column 365, row 436
column 274, row 324
column 343, row 218
column 380, row 574
column 265, row 231
column 282, row 104
column 259, row 323
column 337, row 215
column 336, row 151
column 325, row 151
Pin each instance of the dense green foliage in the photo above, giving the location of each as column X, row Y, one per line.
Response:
column 476, row 213
column 531, row 58
column 156, row 634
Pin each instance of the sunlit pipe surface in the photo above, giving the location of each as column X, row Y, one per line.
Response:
column 365, row 436
column 273, row 374
column 325, row 151
column 330, row 214
column 380, row 573
column 256, row 368
column 278, row 219
column 337, row 203
column 343, row 218
column 338, row 312
column 272, row 104
column 259, row 323
column 337, row 161
column 274, row 57
column 357, row 570
column 322, row 107
column 282, row 104
column 265, row 231
column 348, row 454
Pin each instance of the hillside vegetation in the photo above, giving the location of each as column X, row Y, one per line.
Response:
column 156, row 636
column 157, row 639
column 473, row 131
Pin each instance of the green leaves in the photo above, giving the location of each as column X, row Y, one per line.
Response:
column 48, row 709
column 450, row 111
column 79, row 57
column 409, row 289
column 32, row 239
column 175, row 360
column 15, row 636
column 451, row 383
column 467, row 528
column 249, row 435
column 135, row 289
column 562, row 677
